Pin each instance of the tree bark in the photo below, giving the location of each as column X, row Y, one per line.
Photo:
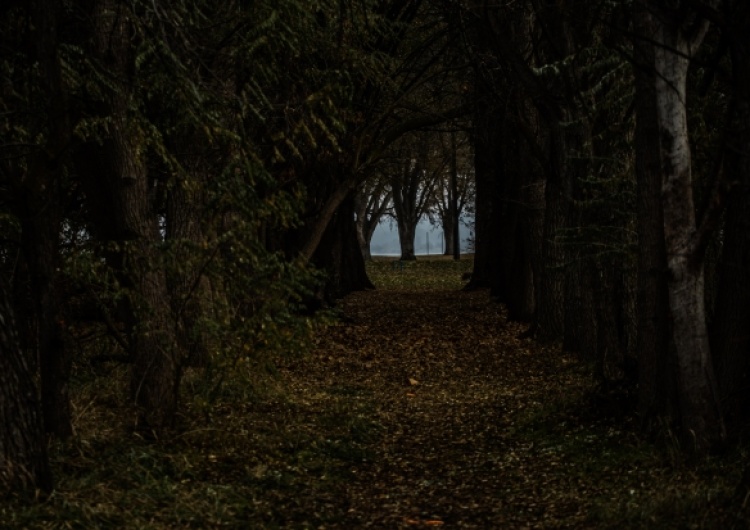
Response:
column 338, row 254
column 117, row 188
column 701, row 422
column 360, row 210
column 657, row 383
column 453, row 207
column 549, row 323
column 318, row 227
column 485, row 132
column 406, row 234
column 24, row 467
column 190, row 289
column 41, row 221
column 448, row 234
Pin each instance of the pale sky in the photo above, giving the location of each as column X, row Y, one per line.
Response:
column 385, row 240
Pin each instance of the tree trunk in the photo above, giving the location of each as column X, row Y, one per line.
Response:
column 486, row 144
column 657, row 383
column 549, row 323
column 317, row 228
column 24, row 467
column 406, row 232
column 701, row 422
column 411, row 190
column 369, row 210
column 41, row 221
column 40, row 241
column 190, row 289
column 117, row 190
column 362, row 240
column 453, row 206
column 534, row 197
column 339, row 255
column 730, row 337
column 448, row 234
column 521, row 296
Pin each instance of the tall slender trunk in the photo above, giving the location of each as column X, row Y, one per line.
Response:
column 657, row 392
column 24, row 466
column 453, row 207
column 534, row 196
column 119, row 203
column 191, row 290
column 701, row 422
column 41, row 228
column 549, row 323
column 41, row 219
column 448, row 234
column 521, row 295
column 189, row 287
column 485, row 139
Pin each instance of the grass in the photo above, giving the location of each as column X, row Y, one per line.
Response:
column 497, row 433
column 424, row 274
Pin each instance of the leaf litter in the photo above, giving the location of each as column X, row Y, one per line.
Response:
column 481, row 428
column 422, row 407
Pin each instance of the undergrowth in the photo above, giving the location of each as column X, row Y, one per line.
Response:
column 422, row 409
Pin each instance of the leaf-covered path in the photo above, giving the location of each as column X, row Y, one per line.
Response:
column 442, row 397
column 420, row 408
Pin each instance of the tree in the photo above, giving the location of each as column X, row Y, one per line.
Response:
column 33, row 173
column 384, row 50
column 454, row 190
column 371, row 203
column 165, row 181
column 368, row 40
column 678, row 33
column 413, row 176
column 117, row 183
column 23, row 456
column 657, row 396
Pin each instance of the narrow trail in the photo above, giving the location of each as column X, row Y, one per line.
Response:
column 436, row 385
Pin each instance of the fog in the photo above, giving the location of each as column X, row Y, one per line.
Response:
column 385, row 239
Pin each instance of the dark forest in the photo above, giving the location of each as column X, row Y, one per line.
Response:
column 188, row 191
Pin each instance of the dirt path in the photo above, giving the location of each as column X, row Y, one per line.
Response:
column 433, row 387
column 418, row 410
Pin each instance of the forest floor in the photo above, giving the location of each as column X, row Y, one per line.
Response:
column 423, row 407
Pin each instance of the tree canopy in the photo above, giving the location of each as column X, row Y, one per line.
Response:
column 181, row 182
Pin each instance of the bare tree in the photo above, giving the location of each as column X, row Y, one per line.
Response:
column 456, row 182
column 416, row 168
column 371, row 203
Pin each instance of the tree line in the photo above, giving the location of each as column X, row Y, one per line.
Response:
column 611, row 178
column 425, row 175
column 183, row 183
